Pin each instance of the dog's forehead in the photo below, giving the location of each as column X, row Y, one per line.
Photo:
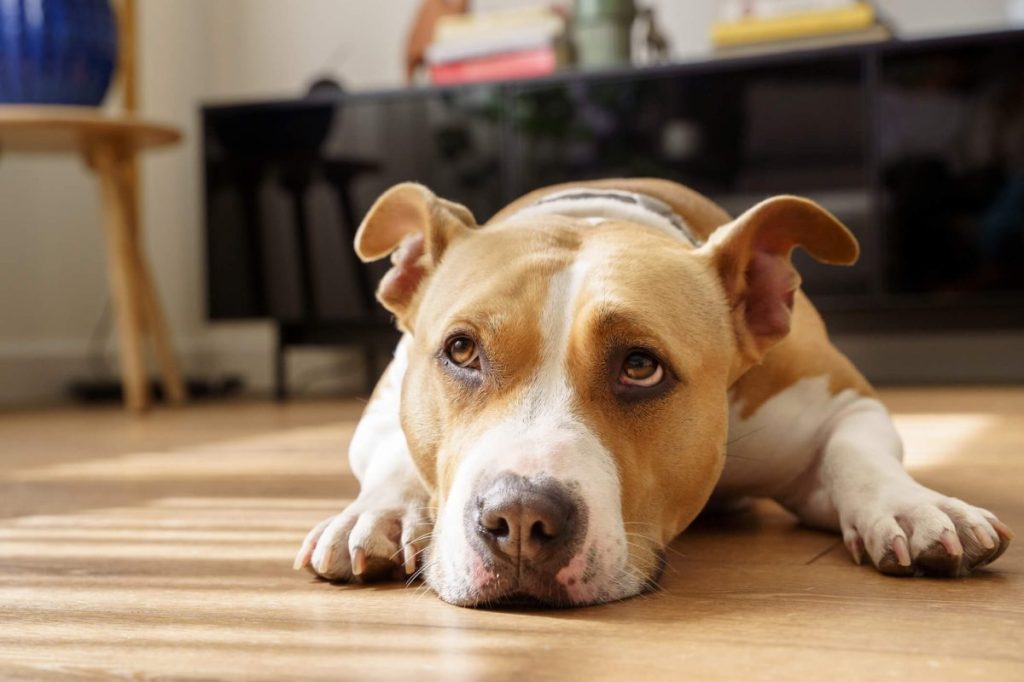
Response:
column 506, row 271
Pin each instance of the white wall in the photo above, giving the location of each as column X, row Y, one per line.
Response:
column 52, row 266
column 52, row 271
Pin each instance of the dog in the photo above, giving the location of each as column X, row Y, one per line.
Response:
column 579, row 377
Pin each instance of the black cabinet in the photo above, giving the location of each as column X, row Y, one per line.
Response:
column 917, row 146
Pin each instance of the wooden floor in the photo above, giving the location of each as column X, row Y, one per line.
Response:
column 161, row 548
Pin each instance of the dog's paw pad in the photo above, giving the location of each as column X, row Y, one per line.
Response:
column 924, row 533
column 366, row 542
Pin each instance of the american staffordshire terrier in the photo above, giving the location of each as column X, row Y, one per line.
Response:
column 582, row 374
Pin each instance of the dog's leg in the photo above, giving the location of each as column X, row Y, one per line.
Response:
column 381, row 533
column 858, row 486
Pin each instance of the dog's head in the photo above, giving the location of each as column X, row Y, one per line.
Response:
column 566, row 393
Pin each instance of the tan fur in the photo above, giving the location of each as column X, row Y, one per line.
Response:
column 413, row 225
column 463, row 294
column 806, row 352
column 493, row 282
column 556, row 306
column 660, row 494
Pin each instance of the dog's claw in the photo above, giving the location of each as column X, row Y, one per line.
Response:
column 304, row 556
column 325, row 561
column 1004, row 531
column 855, row 546
column 951, row 543
column 377, row 537
column 899, row 548
column 983, row 537
column 1005, row 535
column 358, row 561
column 409, row 553
column 921, row 532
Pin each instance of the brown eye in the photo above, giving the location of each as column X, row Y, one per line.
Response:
column 462, row 351
column 641, row 369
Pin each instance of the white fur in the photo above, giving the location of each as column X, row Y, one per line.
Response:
column 390, row 493
column 777, row 443
column 835, row 460
column 540, row 437
column 861, row 489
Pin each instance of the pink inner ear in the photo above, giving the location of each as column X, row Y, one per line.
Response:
column 401, row 281
column 771, row 284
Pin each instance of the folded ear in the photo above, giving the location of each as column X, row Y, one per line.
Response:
column 415, row 227
column 752, row 258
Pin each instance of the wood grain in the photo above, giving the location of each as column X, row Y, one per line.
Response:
column 160, row 548
column 110, row 143
column 32, row 128
column 123, row 269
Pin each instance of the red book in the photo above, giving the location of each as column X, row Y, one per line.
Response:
column 523, row 64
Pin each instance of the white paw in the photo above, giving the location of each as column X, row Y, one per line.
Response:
column 917, row 531
column 376, row 537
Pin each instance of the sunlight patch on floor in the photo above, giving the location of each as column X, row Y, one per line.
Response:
column 312, row 451
column 941, row 439
column 303, row 503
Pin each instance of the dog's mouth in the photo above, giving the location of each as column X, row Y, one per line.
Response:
column 507, row 597
column 531, row 590
column 524, row 601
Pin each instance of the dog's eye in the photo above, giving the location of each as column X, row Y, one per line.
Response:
column 641, row 369
column 462, row 351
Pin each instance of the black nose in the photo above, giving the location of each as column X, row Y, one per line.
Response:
column 526, row 521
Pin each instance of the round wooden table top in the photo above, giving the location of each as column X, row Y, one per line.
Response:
column 37, row 128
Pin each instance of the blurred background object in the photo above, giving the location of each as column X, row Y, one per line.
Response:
column 911, row 138
column 602, row 32
column 56, row 51
column 496, row 45
column 789, row 24
column 423, row 30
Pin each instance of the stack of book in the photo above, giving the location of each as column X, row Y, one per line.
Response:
column 495, row 45
column 794, row 23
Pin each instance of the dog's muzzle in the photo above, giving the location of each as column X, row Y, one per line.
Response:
column 526, row 530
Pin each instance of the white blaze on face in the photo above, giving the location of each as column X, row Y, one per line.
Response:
column 541, row 437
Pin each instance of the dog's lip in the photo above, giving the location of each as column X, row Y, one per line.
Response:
column 506, row 598
column 529, row 590
column 519, row 600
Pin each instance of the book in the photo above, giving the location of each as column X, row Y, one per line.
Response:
column 852, row 17
column 453, row 27
column 872, row 34
column 510, row 65
column 737, row 10
column 462, row 38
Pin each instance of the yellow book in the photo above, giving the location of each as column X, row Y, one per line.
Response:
column 853, row 18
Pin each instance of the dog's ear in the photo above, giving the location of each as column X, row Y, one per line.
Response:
column 752, row 257
column 415, row 227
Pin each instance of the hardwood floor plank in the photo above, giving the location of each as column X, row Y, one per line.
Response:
column 161, row 549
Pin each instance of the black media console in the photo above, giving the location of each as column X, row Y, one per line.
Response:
column 918, row 146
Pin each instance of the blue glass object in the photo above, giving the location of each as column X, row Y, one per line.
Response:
column 56, row 51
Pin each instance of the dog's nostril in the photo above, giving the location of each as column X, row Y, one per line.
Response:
column 525, row 521
column 495, row 525
column 543, row 532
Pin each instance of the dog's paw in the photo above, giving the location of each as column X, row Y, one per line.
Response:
column 920, row 532
column 375, row 538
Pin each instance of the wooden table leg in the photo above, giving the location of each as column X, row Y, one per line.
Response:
column 122, row 270
column 150, row 311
